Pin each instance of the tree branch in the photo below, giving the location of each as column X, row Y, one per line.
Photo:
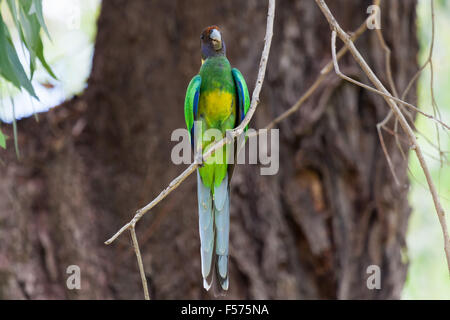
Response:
column 385, row 94
column 391, row 101
column 325, row 70
column 140, row 264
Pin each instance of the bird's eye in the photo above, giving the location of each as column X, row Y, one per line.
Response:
column 202, row 36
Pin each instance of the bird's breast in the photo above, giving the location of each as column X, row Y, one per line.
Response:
column 216, row 106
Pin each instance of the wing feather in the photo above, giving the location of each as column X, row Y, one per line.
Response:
column 191, row 103
column 243, row 106
column 243, row 95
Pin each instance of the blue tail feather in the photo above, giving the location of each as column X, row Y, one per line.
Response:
column 214, row 226
column 222, row 222
column 206, row 228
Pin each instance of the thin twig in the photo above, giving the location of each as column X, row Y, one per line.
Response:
column 388, row 68
column 429, row 61
column 391, row 101
column 231, row 135
column 397, row 141
column 387, row 95
column 325, row 70
column 382, row 124
column 140, row 264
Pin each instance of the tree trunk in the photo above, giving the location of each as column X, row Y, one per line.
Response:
column 309, row 232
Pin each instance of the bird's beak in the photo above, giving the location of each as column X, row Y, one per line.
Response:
column 216, row 38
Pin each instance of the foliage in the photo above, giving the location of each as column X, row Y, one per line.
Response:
column 28, row 19
column 2, row 140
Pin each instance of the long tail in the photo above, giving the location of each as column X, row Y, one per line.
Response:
column 222, row 222
column 214, row 227
column 206, row 228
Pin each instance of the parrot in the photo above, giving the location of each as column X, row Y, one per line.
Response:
column 216, row 98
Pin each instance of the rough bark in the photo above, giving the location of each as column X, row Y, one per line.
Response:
column 309, row 232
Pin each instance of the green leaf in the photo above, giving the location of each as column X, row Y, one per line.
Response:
column 10, row 67
column 36, row 7
column 31, row 36
column 2, row 140
column 24, row 28
column 13, row 9
column 16, row 140
column 40, row 54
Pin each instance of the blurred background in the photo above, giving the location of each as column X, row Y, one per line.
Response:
column 428, row 273
column 72, row 25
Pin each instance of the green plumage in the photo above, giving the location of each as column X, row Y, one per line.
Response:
column 216, row 110
column 217, row 100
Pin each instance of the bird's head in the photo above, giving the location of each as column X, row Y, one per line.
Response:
column 212, row 42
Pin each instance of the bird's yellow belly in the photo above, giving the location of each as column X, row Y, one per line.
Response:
column 216, row 106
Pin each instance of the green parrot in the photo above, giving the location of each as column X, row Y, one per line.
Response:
column 217, row 98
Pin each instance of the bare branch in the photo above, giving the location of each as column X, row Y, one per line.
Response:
column 325, row 70
column 139, row 260
column 391, row 101
column 383, row 146
column 385, row 94
column 388, row 61
column 383, row 123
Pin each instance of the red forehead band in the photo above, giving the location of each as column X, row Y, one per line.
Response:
column 209, row 29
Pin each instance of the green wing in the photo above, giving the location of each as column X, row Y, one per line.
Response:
column 243, row 95
column 191, row 103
